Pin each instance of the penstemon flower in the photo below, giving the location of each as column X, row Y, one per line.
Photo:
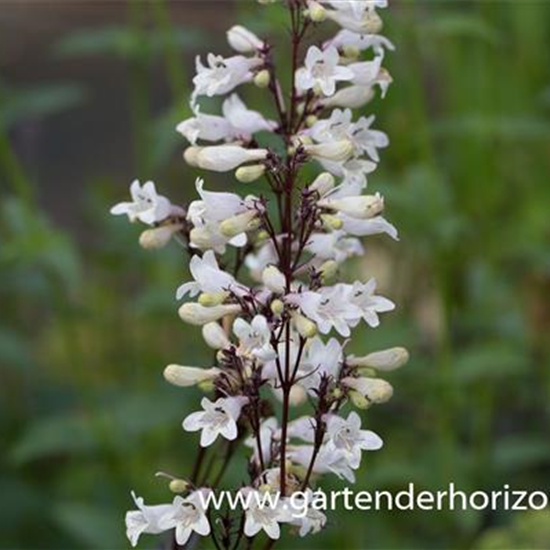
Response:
column 279, row 332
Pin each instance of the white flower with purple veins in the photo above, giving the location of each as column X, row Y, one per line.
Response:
column 263, row 514
column 221, row 75
column 322, row 71
column 187, row 516
column 218, row 418
column 333, row 246
column 146, row 519
column 209, row 278
column 254, row 338
column 147, row 206
column 330, row 308
column 306, row 516
column 362, row 296
column 346, row 436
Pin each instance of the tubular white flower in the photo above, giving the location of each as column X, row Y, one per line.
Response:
column 198, row 315
column 242, row 40
column 254, row 338
column 240, row 223
column 337, row 151
column 385, row 360
column 261, row 516
column 375, row 390
column 147, row 519
column 223, row 158
column 185, row 377
column 158, row 237
column 353, row 97
column 367, row 23
column 323, row 183
column 363, row 207
column 215, row 336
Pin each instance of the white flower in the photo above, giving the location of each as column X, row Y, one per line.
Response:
column 385, row 360
column 370, row 73
column 361, row 207
column 374, row 390
column 146, row 206
column 353, row 97
column 347, row 437
column 319, row 360
column 185, row 377
column 269, row 428
column 215, row 336
column 254, row 338
column 363, row 228
column 362, row 42
column 334, row 246
column 242, row 40
column 221, row 75
column 209, row 278
column 237, row 122
column 187, row 516
column 262, row 514
column 223, row 158
column 327, row 461
column 322, row 71
column 357, row 15
column 330, row 307
column 362, row 296
column 273, row 279
column 198, row 315
column 218, row 418
column 306, row 516
column 147, row 519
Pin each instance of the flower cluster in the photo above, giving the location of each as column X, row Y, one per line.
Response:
column 264, row 286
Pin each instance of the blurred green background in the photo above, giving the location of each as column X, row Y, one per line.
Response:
column 89, row 96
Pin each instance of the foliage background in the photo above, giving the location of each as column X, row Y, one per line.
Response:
column 89, row 96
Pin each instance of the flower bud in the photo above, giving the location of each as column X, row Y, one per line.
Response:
column 323, row 183
column 206, row 386
column 248, row 174
column 331, row 223
column 223, row 158
column 188, row 376
column 262, row 78
column 337, row 151
column 305, row 327
column 201, row 237
column 352, row 52
column 191, row 155
column 311, row 120
column 178, row 486
column 273, row 279
column 262, row 235
column 158, row 237
column 375, row 390
column 336, row 393
column 297, row 396
column 240, row 223
column 328, row 270
column 316, row 12
column 358, row 400
column 277, row 307
column 198, row 315
column 351, row 97
column 242, row 40
column 386, row 360
column 214, row 336
column 209, row 299
column 363, row 207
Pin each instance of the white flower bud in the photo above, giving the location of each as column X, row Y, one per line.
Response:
column 242, row 40
column 352, row 52
column 198, row 315
column 273, row 279
column 359, row 401
column 240, row 223
column 191, row 155
column 223, row 158
column 316, row 12
column 351, row 97
column 214, row 336
column 311, row 120
column 262, row 78
column 305, row 327
column 331, row 223
column 363, row 207
column 201, row 237
column 186, row 377
column 385, row 360
column 248, row 174
column 337, row 151
column 209, row 299
column 178, row 486
column 158, row 237
column 323, row 183
column 277, row 307
column 297, row 396
column 328, row 270
column 375, row 390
